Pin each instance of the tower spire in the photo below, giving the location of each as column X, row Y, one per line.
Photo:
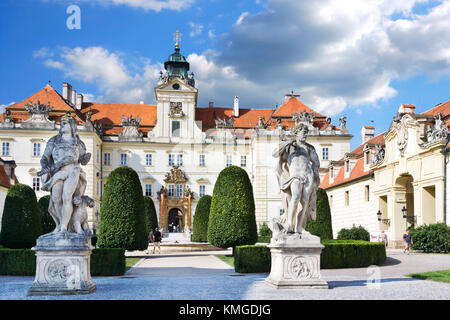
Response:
column 177, row 38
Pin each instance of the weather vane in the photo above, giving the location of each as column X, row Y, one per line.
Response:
column 177, row 37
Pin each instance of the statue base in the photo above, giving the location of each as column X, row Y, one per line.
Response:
column 295, row 262
column 62, row 265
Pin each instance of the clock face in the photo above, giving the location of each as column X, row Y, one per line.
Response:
column 176, row 86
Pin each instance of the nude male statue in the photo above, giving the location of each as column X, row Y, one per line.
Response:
column 298, row 178
column 62, row 173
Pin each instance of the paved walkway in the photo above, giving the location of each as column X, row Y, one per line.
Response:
column 200, row 276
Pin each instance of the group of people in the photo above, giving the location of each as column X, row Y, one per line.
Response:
column 407, row 240
column 155, row 238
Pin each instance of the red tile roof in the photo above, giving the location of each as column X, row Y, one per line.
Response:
column 291, row 106
column 357, row 170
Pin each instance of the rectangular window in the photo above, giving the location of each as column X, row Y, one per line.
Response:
column 5, row 148
column 179, row 160
column 346, row 198
column 229, row 160
column 171, row 160
column 202, row 160
column 331, row 202
column 243, row 161
column 179, row 190
column 36, row 184
column 123, row 159
column 325, row 153
column 107, row 159
column 171, row 190
column 98, row 188
column 148, row 159
column 202, row 190
column 148, row 190
column 98, row 156
column 36, row 149
column 175, row 128
column 366, row 193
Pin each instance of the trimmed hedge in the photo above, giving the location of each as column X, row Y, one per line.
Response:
column 336, row 254
column 108, row 262
column 150, row 212
column 123, row 223
column 17, row 262
column 351, row 254
column 355, row 233
column 321, row 227
column 252, row 259
column 232, row 220
column 21, row 222
column 201, row 219
column 22, row 262
column 48, row 224
column 431, row 238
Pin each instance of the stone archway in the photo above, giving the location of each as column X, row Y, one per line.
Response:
column 175, row 220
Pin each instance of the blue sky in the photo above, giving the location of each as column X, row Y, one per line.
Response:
column 358, row 58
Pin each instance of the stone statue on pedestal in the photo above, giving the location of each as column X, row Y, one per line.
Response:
column 295, row 253
column 63, row 255
column 298, row 178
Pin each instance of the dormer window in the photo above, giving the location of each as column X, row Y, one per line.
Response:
column 175, row 128
column 347, row 166
column 331, row 173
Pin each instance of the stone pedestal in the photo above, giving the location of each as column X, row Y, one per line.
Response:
column 62, row 265
column 296, row 262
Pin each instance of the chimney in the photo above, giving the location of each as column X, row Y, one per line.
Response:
column 79, row 103
column 367, row 133
column 67, row 91
column 236, row 106
column 211, row 104
column 407, row 108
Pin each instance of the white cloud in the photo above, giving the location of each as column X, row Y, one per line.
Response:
column 196, row 29
column 211, row 34
column 107, row 70
column 147, row 5
column 241, row 17
column 42, row 53
column 3, row 107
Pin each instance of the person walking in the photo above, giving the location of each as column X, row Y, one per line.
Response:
column 157, row 240
column 408, row 241
column 150, row 238
column 383, row 238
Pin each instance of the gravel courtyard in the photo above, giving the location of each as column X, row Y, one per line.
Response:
column 202, row 276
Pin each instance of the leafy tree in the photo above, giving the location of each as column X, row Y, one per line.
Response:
column 321, row 227
column 48, row 224
column 431, row 238
column 232, row 220
column 123, row 223
column 264, row 230
column 21, row 222
column 201, row 219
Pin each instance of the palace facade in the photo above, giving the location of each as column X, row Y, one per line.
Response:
column 395, row 179
column 177, row 147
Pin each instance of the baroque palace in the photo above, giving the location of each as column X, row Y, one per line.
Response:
column 176, row 147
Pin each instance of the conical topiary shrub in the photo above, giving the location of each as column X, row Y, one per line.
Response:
column 321, row 227
column 232, row 219
column 123, row 223
column 150, row 212
column 48, row 224
column 201, row 219
column 21, row 222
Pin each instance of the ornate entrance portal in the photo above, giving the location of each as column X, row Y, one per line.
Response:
column 175, row 202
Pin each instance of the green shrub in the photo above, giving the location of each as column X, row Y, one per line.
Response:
column 355, row 233
column 123, row 223
column 431, row 238
column 48, row 224
column 201, row 219
column 21, row 223
column 264, row 239
column 321, row 227
column 150, row 212
column 107, row 262
column 252, row 259
column 351, row 254
column 232, row 219
column 17, row 262
column 22, row 262
column 264, row 230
